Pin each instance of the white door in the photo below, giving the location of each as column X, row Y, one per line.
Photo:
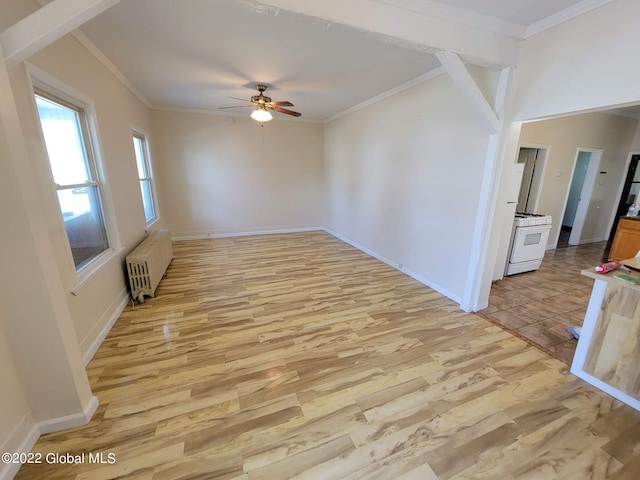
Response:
column 585, row 196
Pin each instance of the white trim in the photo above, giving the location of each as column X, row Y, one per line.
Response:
column 588, row 185
column 502, row 91
column 397, row 266
column 469, row 88
column 620, row 189
column 389, row 93
column 86, row 275
column 564, row 16
column 460, row 16
column 92, row 341
column 21, row 440
column 378, row 98
column 102, row 58
column 588, row 325
column 590, row 240
column 606, row 388
column 200, row 236
column 46, row 25
column 146, row 144
column 588, row 328
column 483, row 227
column 70, row 421
column 544, row 161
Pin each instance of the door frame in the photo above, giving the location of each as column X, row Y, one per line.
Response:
column 539, row 172
column 585, row 194
column 614, row 212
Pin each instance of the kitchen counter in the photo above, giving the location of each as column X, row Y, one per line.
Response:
column 608, row 352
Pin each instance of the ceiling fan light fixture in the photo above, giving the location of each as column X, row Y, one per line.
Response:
column 261, row 115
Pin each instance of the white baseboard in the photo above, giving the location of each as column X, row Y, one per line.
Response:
column 395, row 265
column 20, row 440
column 70, row 421
column 593, row 240
column 98, row 333
column 582, row 242
column 200, row 236
column 25, row 435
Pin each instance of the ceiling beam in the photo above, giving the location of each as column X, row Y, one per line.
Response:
column 465, row 82
column 46, row 25
column 404, row 26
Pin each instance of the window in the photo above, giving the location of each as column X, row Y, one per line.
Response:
column 144, row 174
column 72, row 161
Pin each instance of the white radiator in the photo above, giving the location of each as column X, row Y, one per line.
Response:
column 148, row 262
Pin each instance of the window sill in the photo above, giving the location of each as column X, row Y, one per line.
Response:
column 152, row 223
column 89, row 273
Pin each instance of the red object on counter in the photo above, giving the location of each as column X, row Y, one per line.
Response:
column 607, row 267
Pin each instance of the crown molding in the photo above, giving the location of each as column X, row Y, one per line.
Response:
column 564, row 16
column 102, row 58
column 460, row 16
column 389, row 93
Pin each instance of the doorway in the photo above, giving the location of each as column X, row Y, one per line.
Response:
column 583, row 179
column 533, row 159
column 630, row 192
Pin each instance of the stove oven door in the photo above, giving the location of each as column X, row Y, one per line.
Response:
column 529, row 243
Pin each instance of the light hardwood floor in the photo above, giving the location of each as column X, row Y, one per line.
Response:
column 296, row 355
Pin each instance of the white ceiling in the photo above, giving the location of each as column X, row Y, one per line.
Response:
column 196, row 54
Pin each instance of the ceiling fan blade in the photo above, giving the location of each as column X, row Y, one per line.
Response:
column 235, row 106
column 284, row 110
column 282, row 104
column 241, row 99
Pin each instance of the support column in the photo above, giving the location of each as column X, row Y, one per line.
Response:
column 486, row 235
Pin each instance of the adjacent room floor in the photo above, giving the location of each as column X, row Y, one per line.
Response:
column 298, row 356
column 538, row 306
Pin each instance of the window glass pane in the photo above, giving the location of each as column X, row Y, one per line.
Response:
column 64, row 127
column 633, row 193
column 138, row 146
column 147, row 199
column 83, row 221
column 63, row 138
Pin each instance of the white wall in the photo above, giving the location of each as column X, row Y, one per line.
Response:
column 15, row 415
column 611, row 133
column 403, row 181
column 44, row 329
column 635, row 145
column 222, row 175
column 587, row 63
column 42, row 375
column 117, row 109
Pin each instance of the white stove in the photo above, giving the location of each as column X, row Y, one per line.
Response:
column 528, row 242
column 527, row 219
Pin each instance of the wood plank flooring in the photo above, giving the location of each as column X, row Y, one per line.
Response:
column 297, row 356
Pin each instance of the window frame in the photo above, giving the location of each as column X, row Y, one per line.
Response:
column 144, row 137
column 44, row 84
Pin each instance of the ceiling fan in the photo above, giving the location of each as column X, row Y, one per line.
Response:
column 263, row 104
